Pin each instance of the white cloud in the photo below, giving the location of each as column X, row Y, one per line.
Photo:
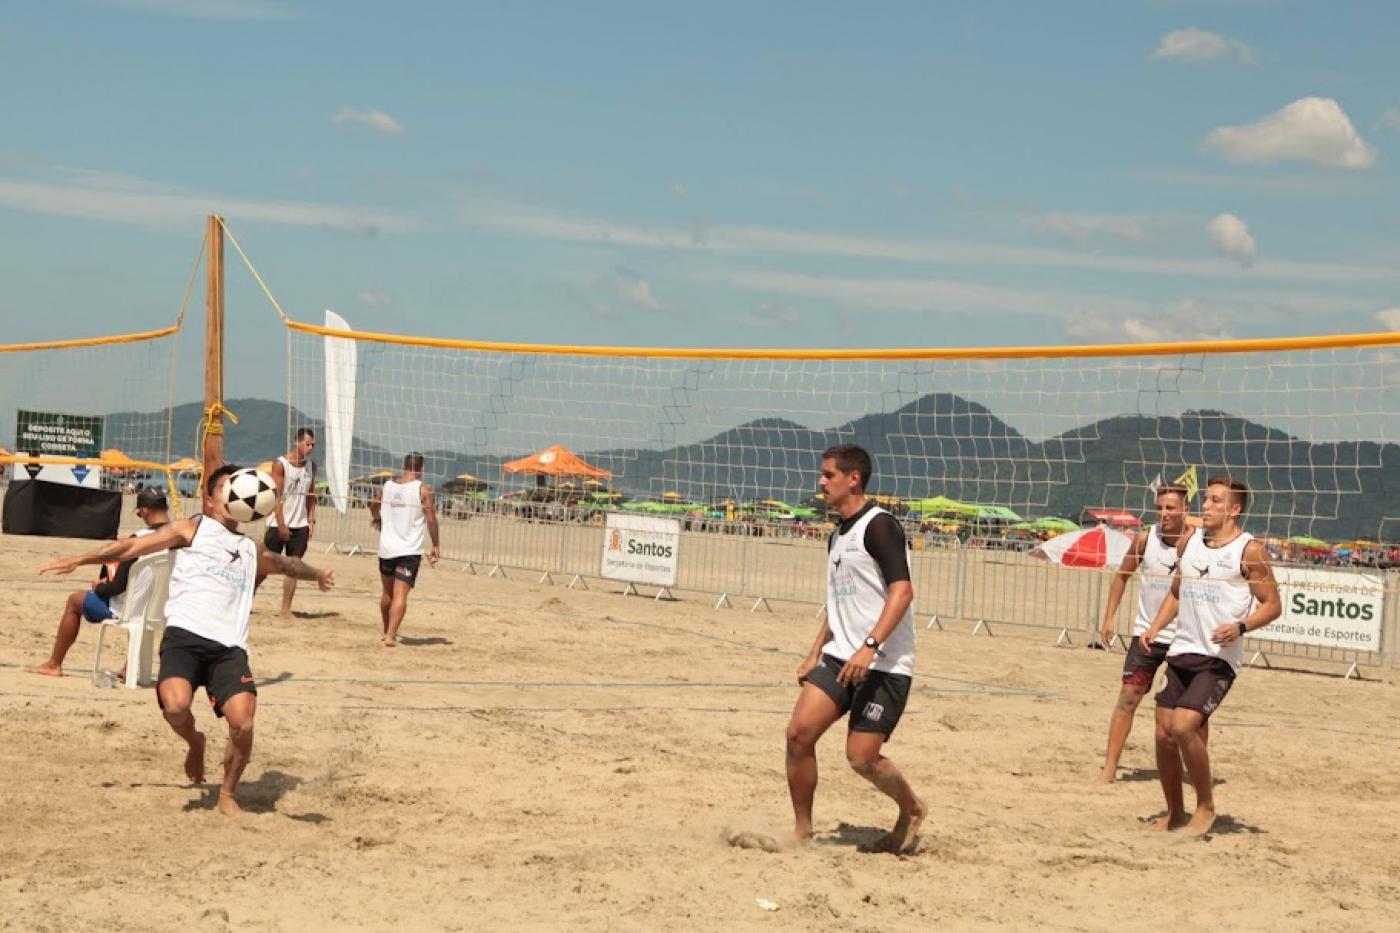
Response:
column 1173, row 322
column 1300, row 183
column 749, row 240
column 1312, row 129
column 772, row 314
column 1231, row 238
column 1389, row 318
column 621, row 292
column 1197, row 45
column 377, row 120
column 633, row 290
column 1082, row 227
column 210, row 9
column 932, row 295
column 95, row 195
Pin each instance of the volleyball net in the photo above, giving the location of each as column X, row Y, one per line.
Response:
column 1001, row 436
column 94, row 412
column 90, row 412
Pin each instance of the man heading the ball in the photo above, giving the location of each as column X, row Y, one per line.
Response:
column 214, row 573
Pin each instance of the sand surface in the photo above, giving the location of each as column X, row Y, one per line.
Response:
column 538, row 758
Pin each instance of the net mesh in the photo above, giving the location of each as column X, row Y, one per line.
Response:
column 1310, row 430
column 128, row 384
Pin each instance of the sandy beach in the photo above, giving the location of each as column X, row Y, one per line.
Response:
column 534, row 757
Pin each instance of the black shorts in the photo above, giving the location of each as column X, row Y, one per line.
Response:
column 221, row 670
column 295, row 546
column 1140, row 666
column 401, row 568
column 1196, row 681
column 875, row 704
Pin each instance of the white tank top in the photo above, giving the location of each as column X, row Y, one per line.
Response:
column 1213, row 592
column 296, row 483
column 211, row 585
column 1156, row 569
column 855, row 597
column 137, row 587
column 404, row 527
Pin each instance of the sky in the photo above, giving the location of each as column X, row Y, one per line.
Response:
column 721, row 174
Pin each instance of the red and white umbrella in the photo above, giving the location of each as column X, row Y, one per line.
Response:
column 1090, row 547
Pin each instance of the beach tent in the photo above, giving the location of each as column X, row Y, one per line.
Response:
column 184, row 465
column 1050, row 523
column 1115, row 517
column 1000, row 512
column 465, row 482
column 938, row 504
column 554, row 461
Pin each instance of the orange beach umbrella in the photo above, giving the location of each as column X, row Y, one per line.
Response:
column 554, row 461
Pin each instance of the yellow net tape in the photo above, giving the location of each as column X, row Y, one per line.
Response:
column 1272, row 344
column 92, row 341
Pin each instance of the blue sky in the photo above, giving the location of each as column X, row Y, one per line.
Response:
column 739, row 174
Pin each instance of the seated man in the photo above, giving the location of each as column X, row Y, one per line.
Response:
column 104, row 600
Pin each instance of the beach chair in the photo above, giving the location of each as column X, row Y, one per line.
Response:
column 143, row 623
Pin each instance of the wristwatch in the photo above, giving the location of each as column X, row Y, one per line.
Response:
column 874, row 645
column 1244, row 630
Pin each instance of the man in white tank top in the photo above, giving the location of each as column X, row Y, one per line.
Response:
column 1224, row 588
column 290, row 527
column 205, row 643
column 1154, row 553
column 404, row 516
column 863, row 658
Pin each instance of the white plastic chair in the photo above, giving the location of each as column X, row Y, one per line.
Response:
column 143, row 623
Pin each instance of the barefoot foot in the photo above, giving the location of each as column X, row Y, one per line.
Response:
column 228, row 804
column 904, row 838
column 1201, row 821
column 194, row 760
column 48, row 669
column 1171, row 821
column 390, row 643
column 1107, row 776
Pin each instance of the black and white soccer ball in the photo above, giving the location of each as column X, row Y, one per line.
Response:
column 250, row 495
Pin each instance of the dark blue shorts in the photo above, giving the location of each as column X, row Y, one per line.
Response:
column 95, row 608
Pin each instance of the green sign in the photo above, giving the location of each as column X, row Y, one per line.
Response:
column 53, row 434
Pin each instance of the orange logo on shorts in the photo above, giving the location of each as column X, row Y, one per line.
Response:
column 245, row 679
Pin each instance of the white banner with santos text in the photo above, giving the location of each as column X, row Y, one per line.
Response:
column 1328, row 609
column 641, row 549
